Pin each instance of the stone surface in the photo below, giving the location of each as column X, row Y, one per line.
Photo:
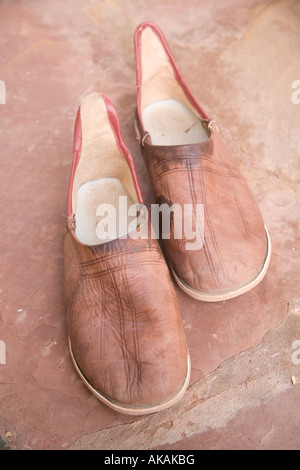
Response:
column 249, row 401
column 240, row 59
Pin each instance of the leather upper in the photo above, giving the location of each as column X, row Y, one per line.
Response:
column 123, row 317
column 234, row 246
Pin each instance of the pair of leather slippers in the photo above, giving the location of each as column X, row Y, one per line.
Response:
column 126, row 336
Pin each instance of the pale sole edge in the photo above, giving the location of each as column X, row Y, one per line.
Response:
column 132, row 410
column 217, row 297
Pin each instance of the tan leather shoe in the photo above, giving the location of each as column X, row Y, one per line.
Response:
column 126, row 336
column 188, row 165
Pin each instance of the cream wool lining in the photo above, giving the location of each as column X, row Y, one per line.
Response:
column 169, row 122
column 102, row 173
column 92, row 225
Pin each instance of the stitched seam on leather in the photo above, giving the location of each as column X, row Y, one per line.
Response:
column 176, row 241
column 194, row 200
column 193, row 157
column 121, row 324
column 116, row 254
column 241, row 211
column 213, row 236
column 198, row 166
column 102, row 321
column 75, row 294
column 134, row 332
column 169, row 171
column 117, row 268
column 227, row 175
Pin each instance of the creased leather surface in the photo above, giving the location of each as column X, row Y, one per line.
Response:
column 123, row 319
column 234, row 236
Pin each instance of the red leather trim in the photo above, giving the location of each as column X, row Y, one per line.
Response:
column 177, row 73
column 77, row 144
